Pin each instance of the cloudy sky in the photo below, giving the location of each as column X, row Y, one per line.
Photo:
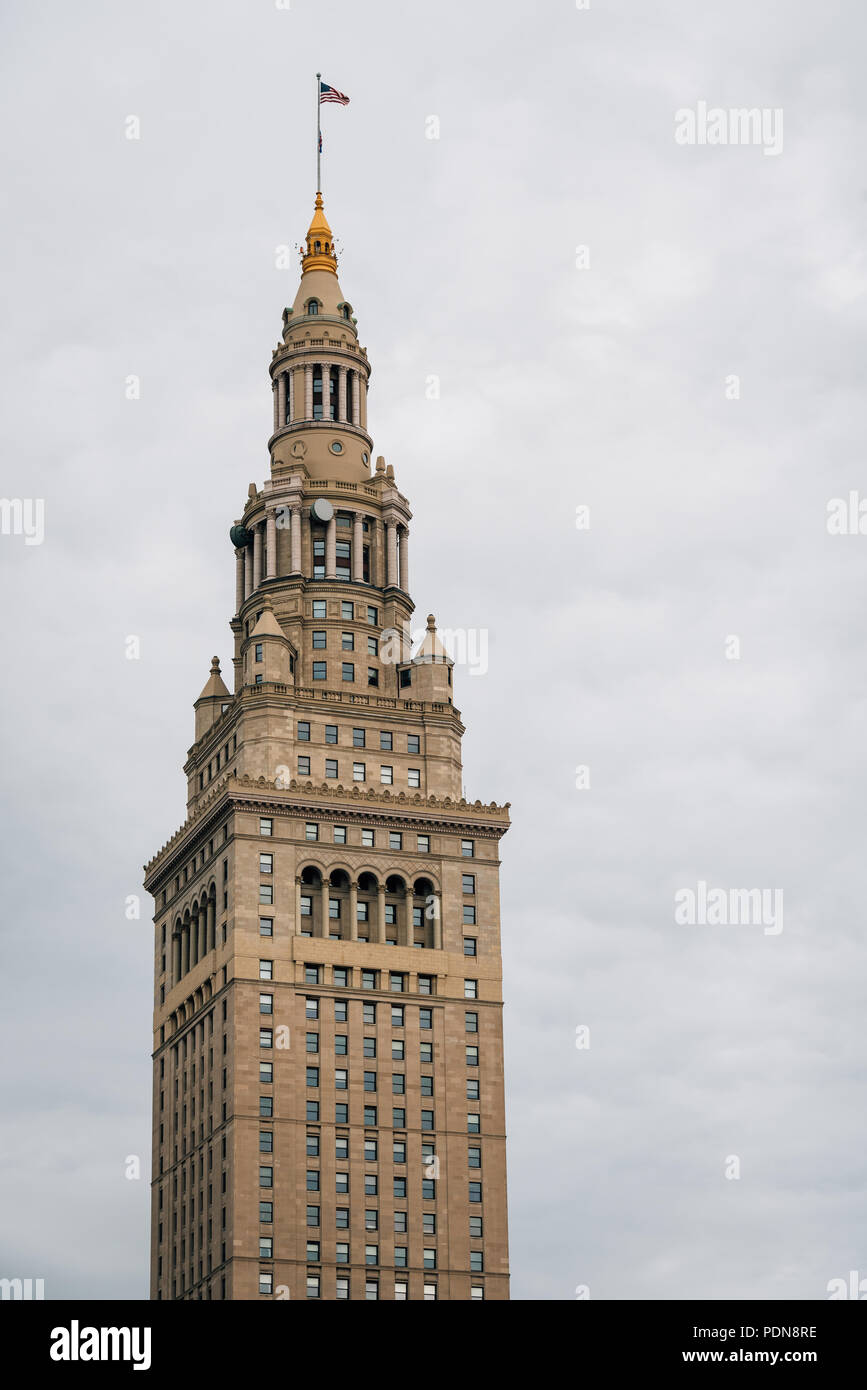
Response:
column 668, row 335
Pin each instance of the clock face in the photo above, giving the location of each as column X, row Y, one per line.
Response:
column 299, row 449
column 322, row 509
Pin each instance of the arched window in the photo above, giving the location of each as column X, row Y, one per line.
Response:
column 313, row 307
column 317, row 246
column 367, row 907
column 311, row 902
column 346, row 311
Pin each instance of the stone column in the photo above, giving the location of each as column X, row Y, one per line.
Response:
column 326, row 391
column 437, row 925
column 271, row 548
column 358, row 548
column 176, row 958
column 331, row 549
column 406, row 935
column 185, row 961
column 308, row 391
column 257, row 555
column 353, row 910
column 290, row 410
column 297, row 928
column 356, row 393
column 404, row 558
column 295, row 541
column 195, row 937
column 281, row 401
column 239, row 580
column 276, row 406
column 325, row 891
column 341, row 394
column 391, row 566
column 380, row 912
column 378, row 574
column 248, row 571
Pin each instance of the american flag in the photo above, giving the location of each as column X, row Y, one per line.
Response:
column 327, row 93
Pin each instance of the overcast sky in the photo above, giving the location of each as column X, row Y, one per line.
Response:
column 607, row 385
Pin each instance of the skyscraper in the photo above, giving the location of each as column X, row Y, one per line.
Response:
column 328, row 1060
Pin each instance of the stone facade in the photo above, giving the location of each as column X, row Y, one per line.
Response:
column 328, row 1060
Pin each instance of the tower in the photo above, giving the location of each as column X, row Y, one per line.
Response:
column 328, row 1062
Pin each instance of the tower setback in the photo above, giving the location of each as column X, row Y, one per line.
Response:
column 328, row 1107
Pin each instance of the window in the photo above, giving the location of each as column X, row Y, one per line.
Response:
column 341, row 1252
column 477, row 1293
column 319, row 608
column 472, row 1089
column 371, row 1151
column 266, row 1282
column 312, row 1216
column 341, row 1113
column 474, row 1158
column 341, row 1182
column 341, row 1288
column 312, row 1042
column 313, row 1279
column 471, row 989
column 258, row 651
column 320, row 640
column 266, row 1177
column 468, row 883
column 311, row 831
column 266, row 825
column 390, row 914
column 311, row 1008
column 313, row 1076
column 372, row 615
column 358, row 772
column 313, row 974
column 400, row 1294
column 341, row 1043
column 413, row 777
column 370, row 1047
column 341, row 975
column 266, row 1212
column 372, row 646
column 358, row 738
column 469, row 944
column 398, row 1083
column 413, row 744
column 425, row 1018
column 320, row 670
column 266, row 1003
column 303, row 765
column 341, row 1146
column 266, row 1141
column 303, row 731
column 423, row 844
column 398, row 1118
column 330, row 733
column 368, row 1013
column 266, row 1037
column 471, row 1022
column 266, row 1073
column 475, row 1191
column 346, row 608
column 396, row 982
column 425, row 984
column 266, row 969
column 370, row 1081
column 347, row 641
column 368, row 840
column 395, row 839
column 371, row 1290
column 312, row 1179
column 306, row 906
column 266, row 1107
column 430, row 1293
column 266, row 863
column 429, row 1223
column 468, row 849
column 428, row 1190
column 371, row 1254
column 386, row 776
column 398, row 1016
column 472, row 1056
column 425, row 1051
column 369, row 979
column 341, row 1079
column 370, row 1185
column 341, row 1218
column 427, row 1119
column 400, row 1191
column 430, row 1259
column 347, row 671
column 330, row 767
column 427, row 1085
column 372, row 676
column 469, row 911
column 399, row 1151
column 312, row 1145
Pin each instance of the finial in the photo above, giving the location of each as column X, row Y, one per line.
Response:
column 320, row 253
column 380, row 464
column 215, row 665
column 431, row 623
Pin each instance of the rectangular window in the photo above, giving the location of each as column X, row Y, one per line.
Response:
column 358, row 772
column 342, row 1252
column 341, row 1079
column 475, row 1191
column 400, row 1291
column 266, row 863
column 258, row 651
column 266, row 1107
column 474, row 1158
column 340, row 834
column 468, row 849
column 311, row 831
column 266, row 1212
column 312, row 1042
column 370, row 1185
column 399, row 1185
column 266, row 1073
column 266, row 894
column 398, row 1118
column 266, row 1003
column 330, row 767
column 371, row 1254
column 312, row 1216
column 370, row 1081
column 427, row 1119
column 368, row 839
column 369, row 1047
column 471, row 1022
column 341, row 1218
column 397, row 1016
column 312, row 1179
column 395, row 839
column 425, row 1051
column 341, row 975
column 303, row 765
column 341, row 1182
column 341, row 1113
column 347, row 671
column 469, row 944
column 400, row 1253
column 358, row 738
column 472, row 1056
column 397, row 981
column 313, row 1076
column 319, row 608
column 369, row 979
column 266, row 1177
column 303, row 731
column 313, row 974
column 471, row 989
column 372, row 676
column 399, row 1152
column 368, row 1012
column 472, row 1089
column 468, row 883
column 266, row 969
column 266, row 1141
column 398, row 1083
column 372, row 615
column 311, row 1008
column 266, row 825
column 266, row 1038
column 427, row 1085
column 340, row 1010
column 306, row 905
column 341, row 1044
column 386, row 776
column 346, row 609
column 413, row 777
column 412, row 743
column 372, row 646
column 425, row 1018
column 347, row 641
column 320, row 671
column 423, row 844
column 370, row 1151
column 320, row 640
column 428, row 1190
column 425, row 984
column 475, row 1228
column 330, row 733
column 313, row 1145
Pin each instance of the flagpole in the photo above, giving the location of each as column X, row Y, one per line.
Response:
column 318, row 135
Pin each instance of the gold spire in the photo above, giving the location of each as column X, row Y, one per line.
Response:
column 320, row 245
